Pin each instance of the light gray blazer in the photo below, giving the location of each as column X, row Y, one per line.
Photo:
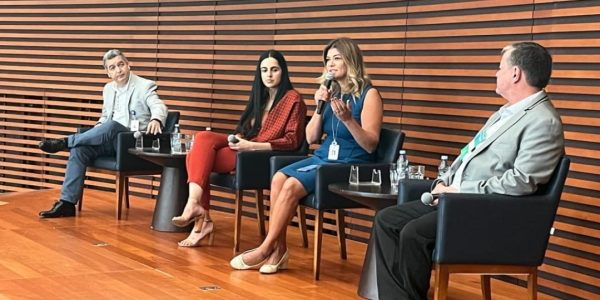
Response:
column 518, row 157
column 142, row 99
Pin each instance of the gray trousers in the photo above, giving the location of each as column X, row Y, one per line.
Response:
column 85, row 148
column 404, row 239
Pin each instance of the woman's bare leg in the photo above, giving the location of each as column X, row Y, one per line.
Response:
column 193, row 207
column 285, row 208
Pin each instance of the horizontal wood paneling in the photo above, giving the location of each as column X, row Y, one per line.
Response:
column 433, row 62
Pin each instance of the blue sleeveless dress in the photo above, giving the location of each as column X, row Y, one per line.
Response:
column 350, row 151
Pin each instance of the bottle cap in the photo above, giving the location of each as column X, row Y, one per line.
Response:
column 402, row 151
column 444, row 156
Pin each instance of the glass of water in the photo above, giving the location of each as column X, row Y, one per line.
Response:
column 394, row 175
column 156, row 145
column 189, row 142
column 416, row 172
column 139, row 141
column 376, row 177
column 353, row 175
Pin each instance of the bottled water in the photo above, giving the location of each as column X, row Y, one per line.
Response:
column 176, row 140
column 402, row 165
column 443, row 167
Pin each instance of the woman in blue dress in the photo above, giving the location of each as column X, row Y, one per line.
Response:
column 351, row 122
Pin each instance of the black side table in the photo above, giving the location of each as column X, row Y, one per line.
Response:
column 173, row 191
column 375, row 197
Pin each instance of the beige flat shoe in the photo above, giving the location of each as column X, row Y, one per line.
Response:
column 239, row 264
column 281, row 265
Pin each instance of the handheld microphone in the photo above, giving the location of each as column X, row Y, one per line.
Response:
column 328, row 81
column 428, row 198
column 137, row 134
column 232, row 139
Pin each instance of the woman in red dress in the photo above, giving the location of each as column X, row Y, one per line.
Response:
column 273, row 120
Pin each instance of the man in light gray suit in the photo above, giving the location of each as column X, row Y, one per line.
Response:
column 130, row 103
column 516, row 151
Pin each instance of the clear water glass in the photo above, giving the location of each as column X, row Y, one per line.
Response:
column 353, row 175
column 139, row 142
column 394, row 175
column 416, row 172
column 156, row 145
column 376, row 177
column 189, row 142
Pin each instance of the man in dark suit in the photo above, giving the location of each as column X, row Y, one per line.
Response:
column 516, row 151
column 130, row 104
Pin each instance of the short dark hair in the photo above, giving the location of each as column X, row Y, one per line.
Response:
column 534, row 60
column 260, row 95
column 112, row 53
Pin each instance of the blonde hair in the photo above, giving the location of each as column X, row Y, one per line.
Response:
column 356, row 75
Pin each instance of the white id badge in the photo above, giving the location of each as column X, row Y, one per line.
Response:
column 135, row 125
column 334, row 151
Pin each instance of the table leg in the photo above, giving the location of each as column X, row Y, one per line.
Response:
column 172, row 196
column 367, row 286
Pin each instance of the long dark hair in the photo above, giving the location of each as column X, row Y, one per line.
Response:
column 260, row 95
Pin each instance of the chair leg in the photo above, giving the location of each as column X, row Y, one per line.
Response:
column 341, row 232
column 80, row 202
column 318, row 240
column 486, row 287
column 120, row 186
column 238, row 220
column 126, row 191
column 260, row 212
column 532, row 285
column 441, row 282
column 302, row 225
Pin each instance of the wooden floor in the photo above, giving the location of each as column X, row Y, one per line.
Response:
column 93, row 256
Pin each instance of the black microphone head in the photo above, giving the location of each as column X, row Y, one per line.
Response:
column 427, row 198
column 137, row 134
column 232, row 139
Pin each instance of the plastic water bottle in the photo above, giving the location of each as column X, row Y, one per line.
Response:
column 176, row 140
column 402, row 165
column 443, row 167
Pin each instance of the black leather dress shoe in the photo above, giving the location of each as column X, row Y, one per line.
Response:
column 60, row 209
column 53, row 145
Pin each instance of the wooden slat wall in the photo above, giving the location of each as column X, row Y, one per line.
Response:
column 433, row 62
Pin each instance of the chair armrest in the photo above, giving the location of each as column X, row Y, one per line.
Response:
column 412, row 189
column 252, row 168
column 493, row 229
column 278, row 162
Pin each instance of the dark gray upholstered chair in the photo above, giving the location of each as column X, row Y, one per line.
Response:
column 124, row 164
column 491, row 234
column 390, row 142
column 251, row 173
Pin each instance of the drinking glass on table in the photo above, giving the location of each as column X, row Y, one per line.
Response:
column 155, row 145
column 416, row 172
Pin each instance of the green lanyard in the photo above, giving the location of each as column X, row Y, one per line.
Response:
column 468, row 148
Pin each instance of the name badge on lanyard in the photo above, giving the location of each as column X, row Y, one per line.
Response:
column 334, row 151
column 135, row 125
